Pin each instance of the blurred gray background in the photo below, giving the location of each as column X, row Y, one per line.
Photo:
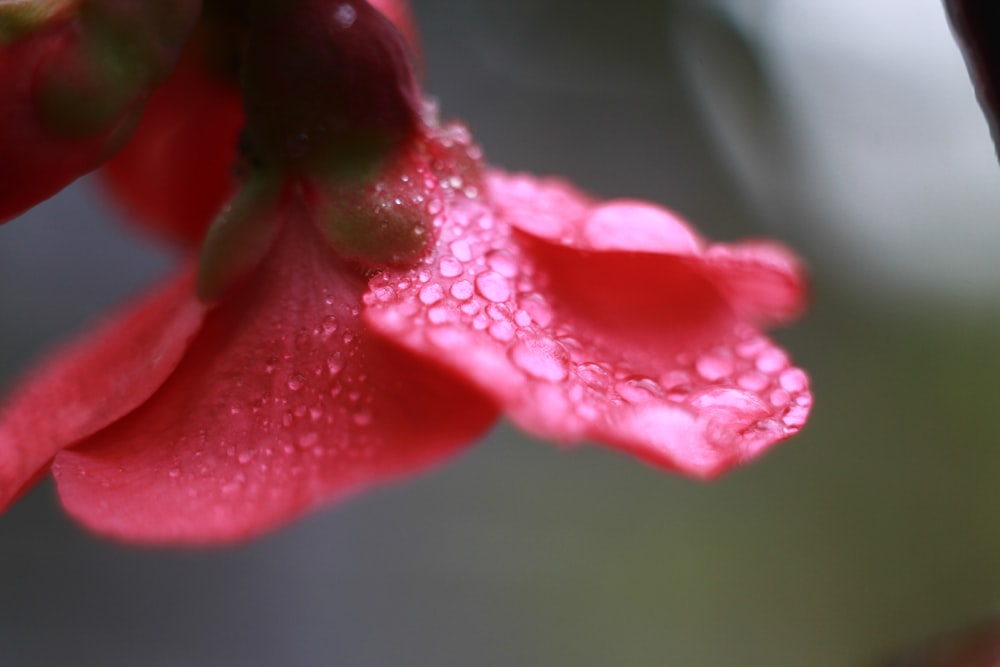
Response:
column 847, row 129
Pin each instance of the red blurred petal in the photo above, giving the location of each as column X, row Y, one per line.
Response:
column 93, row 381
column 627, row 336
column 284, row 401
column 34, row 163
column 176, row 171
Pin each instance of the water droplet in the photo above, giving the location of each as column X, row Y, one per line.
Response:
column 329, row 325
column 461, row 250
column 498, row 311
column 492, row 286
column 345, row 15
column 270, row 364
column 245, row 457
column 431, row 294
column 434, row 206
column 715, row 365
column 753, row 381
column 315, row 412
column 174, row 473
column 537, row 307
column 308, row 440
column 751, row 347
column 362, row 418
column 300, row 411
column 772, row 361
column 334, row 365
column 541, row 358
column 639, row 389
column 594, row 375
column 449, row 267
column 796, row 416
column 462, row 290
column 794, row 380
column 779, row 398
column 438, row 315
column 502, row 262
column 502, row 331
column 296, row 381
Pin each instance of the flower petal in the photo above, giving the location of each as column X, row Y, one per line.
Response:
column 175, row 173
column 643, row 350
column 284, row 401
column 93, row 381
column 762, row 280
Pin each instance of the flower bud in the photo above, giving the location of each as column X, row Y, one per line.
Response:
column 329, row 86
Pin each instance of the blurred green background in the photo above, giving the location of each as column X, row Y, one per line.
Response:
column 847, row 129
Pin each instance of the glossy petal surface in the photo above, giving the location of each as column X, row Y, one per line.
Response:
column 94, row 381
column 611, row 322
column 284, row 401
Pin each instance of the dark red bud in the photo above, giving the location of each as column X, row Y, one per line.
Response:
column 328, row 84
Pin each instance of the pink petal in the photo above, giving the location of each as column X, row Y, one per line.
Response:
column 580, row 337
column 94, row 381
column 762, row 280
column 284, row 401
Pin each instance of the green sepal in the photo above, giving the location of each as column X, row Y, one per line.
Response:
column 121, row 51
column 240, row 236
column 19, row 18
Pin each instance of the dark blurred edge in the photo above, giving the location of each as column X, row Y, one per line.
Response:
column 976, row 24
column 978, row 646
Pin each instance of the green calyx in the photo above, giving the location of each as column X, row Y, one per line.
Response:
column 19, row 18
column 119, row 51
column 240, row 236
column 376, row 230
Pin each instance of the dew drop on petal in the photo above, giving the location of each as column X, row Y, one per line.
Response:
column 493, row 286
column 715, row 365
column 793, row 380
column 541, row 358
column 594, row 375
column 639, row 389
column 780, row 398
column 362, row 418
column 462, row 290
column 502, row 262
column 502, row 331
column 329, row 325
column 753, row 381
column 796, row 416
column 536, row 306
column 772, row 361
column 334, row 365
column 296, row 381
column 431, row 294
column 461, row 250
column 308, row 440
column 449, row 267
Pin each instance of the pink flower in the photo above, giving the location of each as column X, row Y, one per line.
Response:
column 355, row 329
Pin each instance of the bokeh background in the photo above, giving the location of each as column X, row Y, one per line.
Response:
column 849, row 130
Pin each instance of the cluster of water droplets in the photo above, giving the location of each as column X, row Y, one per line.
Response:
column 482, row 289
column 303, row 419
